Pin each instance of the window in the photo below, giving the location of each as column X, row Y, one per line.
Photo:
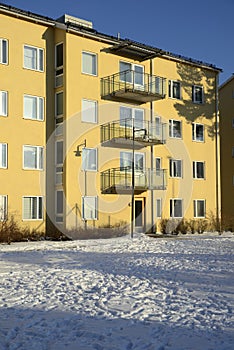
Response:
column 32, row 208
column 59, row 65
column 89, row 63
column 233, row 123
column 89, row 159
column 131, row 73
column 3, row 208
column 58, row 126
column 232, row 152
column 197, row 96
column 175, row 168
column 176, row 208
column 198, row 132
column 199, row 207
column 33, row 157
column 59, row 206
column 158, row 208
column 33, row 58
column 126, row 161
column 232, row 180
column 89, row 111
column 175, row 128
column 174, row 89
column 89, row 208
column 158, row 162
column 3, row 51
column 158, row 126
column 59, row 104
column 198, row 170
column 3, row 155
column 59, row 55
column 3, row 103
column 58, row 162
column 33, row 107
column 59, row 153
column 127, row 114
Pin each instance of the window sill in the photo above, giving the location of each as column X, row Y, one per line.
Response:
column 90, row 74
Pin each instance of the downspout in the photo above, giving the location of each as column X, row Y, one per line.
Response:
column 152, row 156
column 217, row 154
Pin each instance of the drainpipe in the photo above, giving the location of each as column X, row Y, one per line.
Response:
column 152, row 155
column 217, row 153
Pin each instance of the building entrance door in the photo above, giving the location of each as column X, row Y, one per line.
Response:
column 139, row 217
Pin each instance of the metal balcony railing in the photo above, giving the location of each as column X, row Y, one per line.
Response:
column 134, row 86
column 145, row 132
column 119, row 180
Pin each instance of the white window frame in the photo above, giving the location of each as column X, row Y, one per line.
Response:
column 129, row 168
column 133, row 112
column 3, row 207
column 84, row 114
column 85, row 162
column 158, row 165
column 38, row 198
column 132, row 68
column 3, row 97
column 172, row 201
column 195, row 170
column 56, row 104
column 158, row 126
column 59, row 214
column 95, row 208
column 58, row 69
column 158, row 204
column 194, row 132
column 96, row 63
column 1, row 51
column 57, row 162
column 39, row 101
column 194, row 87
column 171, row 89
column 172, row 133
column 1, row 156
column 39, row 51
column 195, row 208
column 38, row 160
column 59, row 126
column 173, row 168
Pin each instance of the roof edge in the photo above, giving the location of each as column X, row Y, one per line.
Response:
column 105, row 37
column 226, row 81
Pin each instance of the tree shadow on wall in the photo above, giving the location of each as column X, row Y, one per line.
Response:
column 191, row 111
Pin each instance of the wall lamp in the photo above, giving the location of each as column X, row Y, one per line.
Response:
column 78, row 150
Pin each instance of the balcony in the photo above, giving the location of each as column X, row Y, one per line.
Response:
column 132, row 86
column 120, row 133
column 117, row 180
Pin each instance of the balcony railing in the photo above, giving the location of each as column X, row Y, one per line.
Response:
column 145, row 133
column 119, row 180
column 132, row 86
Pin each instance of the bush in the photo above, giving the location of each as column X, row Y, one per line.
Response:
column 105, row 231
column 176, row 226
column 10, row 231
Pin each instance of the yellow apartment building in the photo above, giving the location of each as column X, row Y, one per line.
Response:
column 97, row 130
column 226, row 108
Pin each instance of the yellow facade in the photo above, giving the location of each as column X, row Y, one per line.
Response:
column 163, row 93
column 226, row 106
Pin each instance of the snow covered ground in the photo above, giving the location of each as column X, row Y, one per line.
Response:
column 118, row 294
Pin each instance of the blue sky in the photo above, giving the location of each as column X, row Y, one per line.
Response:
column 201, row 29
